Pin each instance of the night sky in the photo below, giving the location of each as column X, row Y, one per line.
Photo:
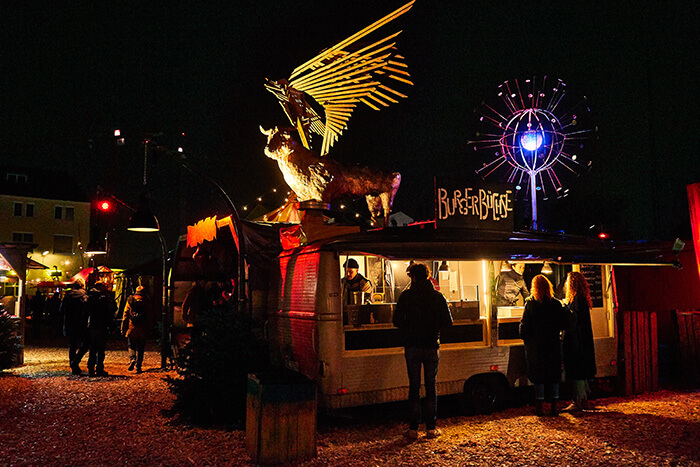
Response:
column 70, row 73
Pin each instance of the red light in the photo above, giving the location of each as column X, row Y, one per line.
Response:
column 494, row 368
column 603, row 235
column 342, row 391
column 613, row 362
column 104, row 205
column 117, row 132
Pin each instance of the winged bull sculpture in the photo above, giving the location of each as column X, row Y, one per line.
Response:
column 338, row 80
column 322, row 179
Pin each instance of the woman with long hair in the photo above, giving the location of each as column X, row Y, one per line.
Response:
column 579, row 353
column 543, row 320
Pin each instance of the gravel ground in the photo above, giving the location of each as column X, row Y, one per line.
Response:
column 50, row 417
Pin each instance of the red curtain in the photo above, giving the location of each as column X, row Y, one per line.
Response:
column 694, row 207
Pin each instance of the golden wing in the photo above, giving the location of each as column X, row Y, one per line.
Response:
column 339, row 78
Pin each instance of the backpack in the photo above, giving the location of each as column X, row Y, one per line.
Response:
column 138, row 311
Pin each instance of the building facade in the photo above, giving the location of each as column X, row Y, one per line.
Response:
column 47, row 209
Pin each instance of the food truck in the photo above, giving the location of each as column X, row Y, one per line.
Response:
column 349, row 346
column 353, row 351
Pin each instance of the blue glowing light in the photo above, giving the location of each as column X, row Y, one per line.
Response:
column 531, row 140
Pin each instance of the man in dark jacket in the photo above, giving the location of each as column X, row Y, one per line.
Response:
column 421, row 313
column 101, row 308
column 73, row 309
column 354, row 282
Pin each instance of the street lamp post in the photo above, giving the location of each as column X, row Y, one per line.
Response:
column 237, row 224
column 143, row 221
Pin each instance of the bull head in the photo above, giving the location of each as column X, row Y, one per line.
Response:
column 267, row 133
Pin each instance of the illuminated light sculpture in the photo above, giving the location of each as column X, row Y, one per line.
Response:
column 533, row 138
column 338, row 79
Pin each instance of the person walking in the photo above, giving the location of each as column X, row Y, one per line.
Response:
column 421, row 313
column 135, row 326
column 101, row 309
column 543, row 320
column 579, row 352
column 75, row 322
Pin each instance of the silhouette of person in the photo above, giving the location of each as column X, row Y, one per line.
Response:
column 73, row 307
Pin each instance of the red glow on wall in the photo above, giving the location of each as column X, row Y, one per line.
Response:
column 694, row 208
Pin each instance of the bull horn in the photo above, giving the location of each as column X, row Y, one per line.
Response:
column 264, row 131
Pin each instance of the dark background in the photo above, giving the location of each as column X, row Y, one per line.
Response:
column 70, row 73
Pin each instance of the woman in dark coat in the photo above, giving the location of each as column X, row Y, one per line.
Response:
column 579, row 352
column 543, row 320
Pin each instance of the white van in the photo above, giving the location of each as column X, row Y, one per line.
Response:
column 355, row 353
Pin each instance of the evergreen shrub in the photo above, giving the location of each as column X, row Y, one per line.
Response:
column 10, row 341
column 214, row 368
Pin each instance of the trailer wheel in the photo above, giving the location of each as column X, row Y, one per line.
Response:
column 482, row 394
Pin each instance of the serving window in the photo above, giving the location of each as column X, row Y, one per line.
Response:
column 368, row 315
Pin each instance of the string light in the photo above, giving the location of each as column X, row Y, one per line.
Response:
column 261, row 198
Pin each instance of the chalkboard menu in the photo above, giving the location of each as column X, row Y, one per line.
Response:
column 594, row 277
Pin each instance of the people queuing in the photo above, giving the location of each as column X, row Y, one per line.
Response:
column 135, row 327
column 101, row 309
column 579, row 352
column 543, row 320
column 421, row 313
column 73, row 308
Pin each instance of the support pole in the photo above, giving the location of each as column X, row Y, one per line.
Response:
column 533, row 199
column 237, row 224
column 164, row 338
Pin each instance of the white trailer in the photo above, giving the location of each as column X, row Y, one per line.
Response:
column 354, row 353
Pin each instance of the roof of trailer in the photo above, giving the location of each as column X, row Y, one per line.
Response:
column 429, row 243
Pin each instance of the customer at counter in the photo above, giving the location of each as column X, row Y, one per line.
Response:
column 354, row 282
column 579, row 350
column 421, row 313
column 543, row 320
column 510, row 284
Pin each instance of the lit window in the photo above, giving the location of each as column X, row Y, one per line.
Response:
column 30, row 210
column 70, row 213
column 58, row 212
column 18, row 209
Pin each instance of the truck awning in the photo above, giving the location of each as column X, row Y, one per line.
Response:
column 459, row 244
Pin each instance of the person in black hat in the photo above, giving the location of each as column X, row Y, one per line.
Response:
column 354, row 281
column 421, row 313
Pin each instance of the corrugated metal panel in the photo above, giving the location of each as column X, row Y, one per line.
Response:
column 300, row 279
column 295, row 339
